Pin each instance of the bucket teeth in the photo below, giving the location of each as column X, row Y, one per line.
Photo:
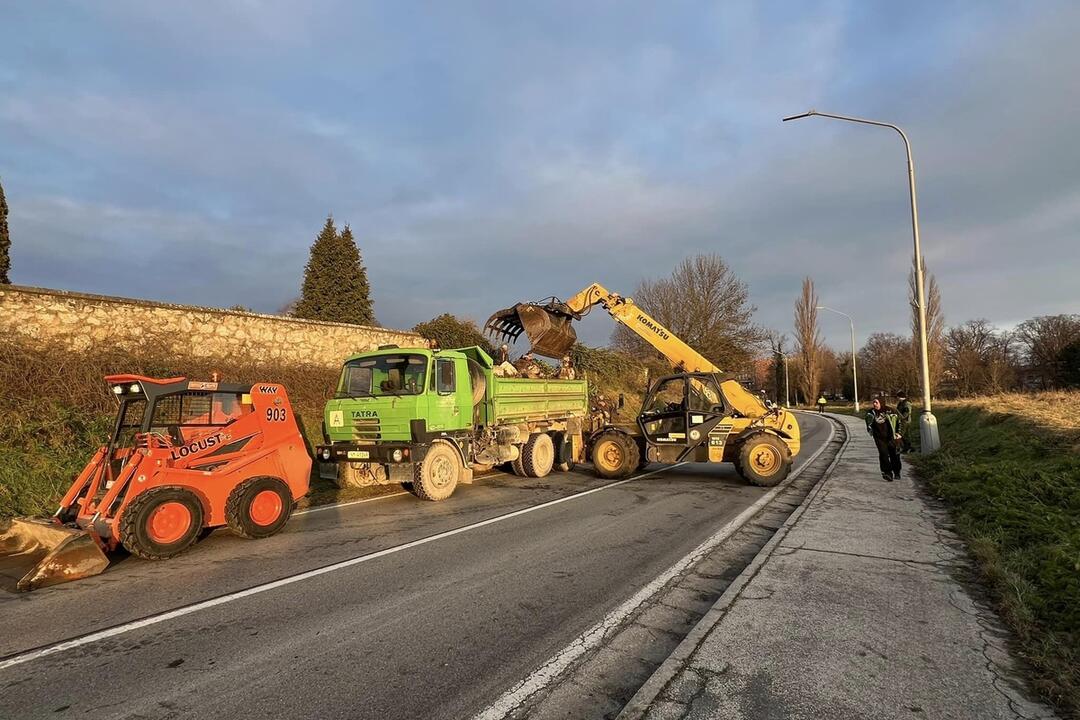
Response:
column 548, row 327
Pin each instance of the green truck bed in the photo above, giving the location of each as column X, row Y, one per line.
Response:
column 519, row 400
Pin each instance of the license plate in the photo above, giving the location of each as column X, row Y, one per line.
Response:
column 358, row 455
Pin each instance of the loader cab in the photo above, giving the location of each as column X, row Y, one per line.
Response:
column 681, row 413
column 173, row 411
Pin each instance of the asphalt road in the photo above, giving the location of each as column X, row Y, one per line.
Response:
column 428, row 629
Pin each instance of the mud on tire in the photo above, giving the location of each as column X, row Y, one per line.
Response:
column 763, row 460
column 538, row 455
column 161, row 522
column 258, row 507
column 436, row 477
column 615, row 455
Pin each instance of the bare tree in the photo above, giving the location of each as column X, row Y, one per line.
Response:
column 979, row 358
column 1044, row 340
column 706, row 305
column 935, row 324
column 808, row 341
column 832, row 380
column 777, row 340
column 886, row 363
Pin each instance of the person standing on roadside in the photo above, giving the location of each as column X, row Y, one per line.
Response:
column 903, row 409
column 884, row 426
column 821, row 401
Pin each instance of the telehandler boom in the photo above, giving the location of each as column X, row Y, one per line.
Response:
column 698, row 414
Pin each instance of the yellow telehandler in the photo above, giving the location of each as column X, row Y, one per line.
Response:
column 697, row 414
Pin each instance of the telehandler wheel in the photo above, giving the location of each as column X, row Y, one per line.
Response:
column 161, row 522
column 764, row 460
column 643, row 458
column 437, row 476
column 615, row 455
column 258, row 507
column 538, row 455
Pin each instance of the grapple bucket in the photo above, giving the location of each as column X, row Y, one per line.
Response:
column 546, row 326
column 38, row 552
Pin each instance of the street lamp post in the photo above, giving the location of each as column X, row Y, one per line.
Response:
column 787, row 392
column 930, row 441
column 854, row 372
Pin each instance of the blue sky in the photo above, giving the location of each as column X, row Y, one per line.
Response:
column 490, row 152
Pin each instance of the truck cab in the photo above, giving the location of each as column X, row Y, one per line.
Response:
column 390, row 403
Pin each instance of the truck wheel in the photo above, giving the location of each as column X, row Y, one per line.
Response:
column 615, row 455
column 563, row 449
column 764, row 460
column 437, row 476
column 516, row 466
column 258, row 507
column 538, row 455
column 161, row 522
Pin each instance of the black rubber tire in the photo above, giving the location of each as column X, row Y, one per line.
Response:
column 238, row 507
column 426, row 484
column 626, row 455
column 515, row 465
column 538, row 455
column 133, row 535
column 560, row 441
column 751, row 471
column 643, row 459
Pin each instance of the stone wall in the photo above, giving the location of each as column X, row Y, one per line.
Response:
column 79, row 321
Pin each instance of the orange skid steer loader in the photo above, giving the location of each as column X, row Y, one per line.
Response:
column 183, row 458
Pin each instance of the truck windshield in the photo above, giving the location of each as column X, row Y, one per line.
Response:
column 383, row 375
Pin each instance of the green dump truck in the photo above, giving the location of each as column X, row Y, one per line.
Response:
column 429, row 418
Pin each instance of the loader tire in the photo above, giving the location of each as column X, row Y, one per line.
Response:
column 258, row 507
column 615, row 455
column 763, row 460
column 161, row 522
column 643, row 456
column 436, row 477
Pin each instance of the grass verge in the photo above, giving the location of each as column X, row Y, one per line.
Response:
column 1009, row 468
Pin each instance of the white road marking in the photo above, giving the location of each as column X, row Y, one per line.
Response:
column 547, row 673
column 334, row 506
column 257, row 589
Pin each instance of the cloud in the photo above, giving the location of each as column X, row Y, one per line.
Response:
column 502, row 154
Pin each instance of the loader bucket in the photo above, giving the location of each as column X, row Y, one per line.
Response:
column 37, row 552
column 548, row 329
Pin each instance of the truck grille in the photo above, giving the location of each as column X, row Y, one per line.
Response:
column 366, row 429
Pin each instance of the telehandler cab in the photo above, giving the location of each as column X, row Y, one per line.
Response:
column 183, row 458
column 698, row 414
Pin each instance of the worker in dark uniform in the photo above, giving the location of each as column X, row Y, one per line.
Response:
column 903, row 409
column 884, row 426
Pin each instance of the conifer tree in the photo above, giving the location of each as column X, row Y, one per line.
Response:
column 5, row 241
column 335, row 281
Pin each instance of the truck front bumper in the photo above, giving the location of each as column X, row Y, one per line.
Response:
column 383, row 454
